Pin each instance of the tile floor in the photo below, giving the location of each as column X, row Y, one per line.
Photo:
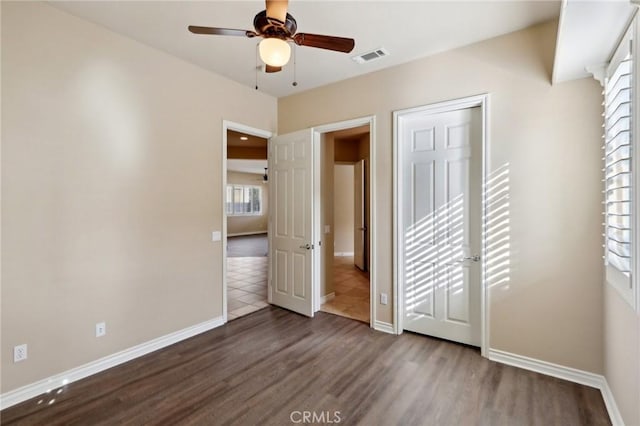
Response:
column 351, row 287
column 246, row 285
column 247, row 288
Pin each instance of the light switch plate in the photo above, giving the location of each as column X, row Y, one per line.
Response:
column 101, row 329
column 327, row 229
column 383, row 299
column 216, row 236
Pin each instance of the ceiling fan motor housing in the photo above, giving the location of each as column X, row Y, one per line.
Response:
column 273, row 28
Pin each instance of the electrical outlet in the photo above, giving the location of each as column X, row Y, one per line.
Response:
column 383, row 299
column 19, row 353
column 101, row 329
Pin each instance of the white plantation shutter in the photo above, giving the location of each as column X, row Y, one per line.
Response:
column 619, row 95
column 618, row 167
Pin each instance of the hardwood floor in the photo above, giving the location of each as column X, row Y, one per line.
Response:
column 261, row 368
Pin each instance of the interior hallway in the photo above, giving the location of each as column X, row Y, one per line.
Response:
column 351, row 286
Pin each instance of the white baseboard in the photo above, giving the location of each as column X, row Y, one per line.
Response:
column 610, row 403
column 586, row 378
column 327, row 297
column 242, row 234
column 543, row 367
column 385, row 327
column 46, row 385
column 343, row 254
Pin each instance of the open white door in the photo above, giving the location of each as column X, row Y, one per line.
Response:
column 291, row 221
column 359, row 223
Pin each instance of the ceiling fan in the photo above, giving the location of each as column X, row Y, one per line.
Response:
column 277, row 28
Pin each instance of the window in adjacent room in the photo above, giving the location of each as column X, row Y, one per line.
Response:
column 244, row 200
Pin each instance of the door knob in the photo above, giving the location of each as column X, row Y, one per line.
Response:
column 306, row 246
column 364, row 228
column 474, row 258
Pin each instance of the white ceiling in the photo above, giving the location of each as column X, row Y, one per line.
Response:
column 247, row 166
column 589, row 32
column 407, row 29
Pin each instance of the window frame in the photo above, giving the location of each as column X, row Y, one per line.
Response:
column 635, row 175
column 243, row 187
column 627, row 286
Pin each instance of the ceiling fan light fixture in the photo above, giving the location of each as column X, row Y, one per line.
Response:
column 274, row 51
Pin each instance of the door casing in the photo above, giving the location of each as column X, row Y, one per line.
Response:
column 481, row 101
column 360, row 244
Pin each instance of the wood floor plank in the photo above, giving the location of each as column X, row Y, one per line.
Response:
column 260, row 368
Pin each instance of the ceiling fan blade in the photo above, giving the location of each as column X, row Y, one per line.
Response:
column 270, row 69
column 338, row 44
column 221, row 31
column 277, row 9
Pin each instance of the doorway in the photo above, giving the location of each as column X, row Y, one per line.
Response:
column 298, row 247
column 245, row 217
column 345, row 217
column 439, row 153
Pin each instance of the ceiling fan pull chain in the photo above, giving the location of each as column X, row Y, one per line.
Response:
column 295, row 55
column 256, row 68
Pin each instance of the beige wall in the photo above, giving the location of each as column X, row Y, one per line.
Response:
column 548, row 137
column 111, row 160
column 254, row 223
column 343, row 208
column 622, row 354
column 352, row 150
